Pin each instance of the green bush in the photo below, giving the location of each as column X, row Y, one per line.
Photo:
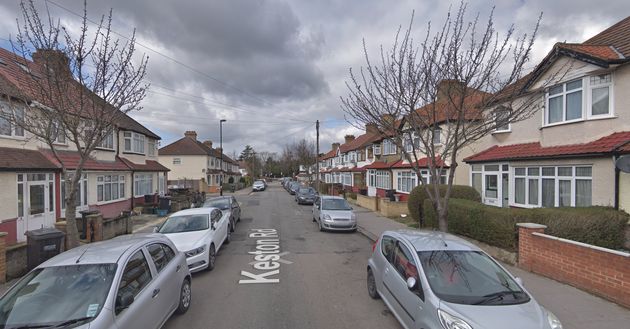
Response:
column 242, row 180
column 231, row 180
column 418, row 195
column 600, row 226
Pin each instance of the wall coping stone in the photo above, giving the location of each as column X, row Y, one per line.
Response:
column 582, row 244
column 531, row 225
column 3, row 234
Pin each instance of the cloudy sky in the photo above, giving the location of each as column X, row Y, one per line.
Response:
column 273, row 67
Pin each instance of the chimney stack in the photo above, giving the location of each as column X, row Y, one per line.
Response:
column 371, row 128
column 220, row 150
column 208, row 144
column 335, row 146
column 349, row 138
column 54, row 60
column 449, row 89
column 191, row 134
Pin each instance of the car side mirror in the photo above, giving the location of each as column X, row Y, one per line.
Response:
column 414, row 286
column 123, row 301
column 156, row 229
column 411, row 283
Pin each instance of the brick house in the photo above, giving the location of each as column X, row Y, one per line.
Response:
column 118, row 175
column 197, row 164
column 564, row 155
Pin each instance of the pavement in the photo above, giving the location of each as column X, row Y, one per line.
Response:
column 575, row 308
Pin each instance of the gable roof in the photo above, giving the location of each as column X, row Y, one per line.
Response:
column 359, row 142
column 442, row 111
column 328, row 155
column 616, row 36
column 187, row 146
column 615, row 143
column 16, row 81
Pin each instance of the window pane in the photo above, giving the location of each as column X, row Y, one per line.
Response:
column 136, row 275
column 533, row 192
column 519, row 171
column 564, row 191
column 583, row 192
column 556, row 90
column 565, row 171
column 20, row 200
column 491, row 167
column 491, row 186
column 555, row 109
column 476, row 182
column 583, row 171
column 476, row 167
column 5, row 127
column 108, row 192
column 115, row 191
column 577, row 84
column 600, row 103
column 548, row 192
column 158, row 255
column 99, row 193
column 519, row 189
column 574, row 105
column 533, row 171
column 549, row 171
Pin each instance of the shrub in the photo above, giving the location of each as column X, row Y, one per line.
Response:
column 417, row 196
column 242, row 180
column 231, row 180
column 600, row 226
column 351, row 195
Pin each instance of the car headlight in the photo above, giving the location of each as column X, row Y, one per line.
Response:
column 327, row 218
column 554, row 322
column 195, row 251
column 452, row 322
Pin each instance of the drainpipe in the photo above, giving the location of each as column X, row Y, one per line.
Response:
column 617, row 173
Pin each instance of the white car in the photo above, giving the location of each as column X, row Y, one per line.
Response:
column 199, row 233
column 259, row 185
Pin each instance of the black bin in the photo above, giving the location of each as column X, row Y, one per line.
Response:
column 390, row 194
column 164, row 203
column 41, row 245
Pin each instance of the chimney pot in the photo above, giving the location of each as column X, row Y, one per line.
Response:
column 208, row 143
column 371, row 128
column 349, row 138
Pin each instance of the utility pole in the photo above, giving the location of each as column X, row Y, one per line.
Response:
column 317, row 157
column 221, row 146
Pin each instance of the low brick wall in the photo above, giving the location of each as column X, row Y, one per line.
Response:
column 601, row 271
column 16, row 261
column 113, row 227
column 392, row 208
column 367, row 202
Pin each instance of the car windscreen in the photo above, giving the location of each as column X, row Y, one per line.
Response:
column 469, row 277
column 185, row 223
column 222, row 204
column 54, row 295
column 304, row 190
column 335, row 204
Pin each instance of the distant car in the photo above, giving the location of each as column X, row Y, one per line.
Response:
column 437, row 280
column 259, row 185
column 305, row 195
column 132, row 281
column 293, row 187
column 199, row 233
column 334, row 213
column 226, row 204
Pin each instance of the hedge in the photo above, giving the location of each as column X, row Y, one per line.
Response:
column 600, row 226
column 418, row 195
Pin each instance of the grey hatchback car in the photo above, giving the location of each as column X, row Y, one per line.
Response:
column 437, row 280
column 132, row 281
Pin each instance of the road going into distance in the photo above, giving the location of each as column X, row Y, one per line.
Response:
column 321, row 278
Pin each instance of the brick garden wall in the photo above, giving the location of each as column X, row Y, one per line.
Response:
column 600, row 271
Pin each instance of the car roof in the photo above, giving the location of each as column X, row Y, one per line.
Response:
column 219, row 197
column 331, row 197
column 423, row 240
column 103, row 252
column 194, row 211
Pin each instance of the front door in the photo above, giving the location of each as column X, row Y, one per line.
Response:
column 36, row 198
column 491, row 189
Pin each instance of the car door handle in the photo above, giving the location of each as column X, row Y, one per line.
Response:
column 155, row 292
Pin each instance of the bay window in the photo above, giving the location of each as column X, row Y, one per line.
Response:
column 143, row 184
column 379, row 179
column 406, row 181
column 151, row 147
column 134, row 142
column 389, row 147
column 107, row 142
column 584, row 98
column 110, row 188
column 562, row 186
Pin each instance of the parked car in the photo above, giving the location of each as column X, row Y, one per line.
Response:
column 334, row 213
column 305, row 195
column 437, row 280
column 132, row 281
column 199, row 233
column 226, row 204
column 293, row 187
column 259, row 185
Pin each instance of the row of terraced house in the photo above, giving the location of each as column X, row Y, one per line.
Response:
column 562, row 155
column 120, row 173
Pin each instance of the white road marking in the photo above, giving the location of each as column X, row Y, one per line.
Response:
column 266, row 257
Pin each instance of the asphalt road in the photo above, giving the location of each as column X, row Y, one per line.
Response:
column 321, row 278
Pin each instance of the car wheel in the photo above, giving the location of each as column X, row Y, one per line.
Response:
column 371, row 285
column 321, row 228
column 185, row 296
column 212, row 257
column 228, row 236
column 232, row 226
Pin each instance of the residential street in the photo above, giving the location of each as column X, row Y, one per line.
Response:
column 323, row 287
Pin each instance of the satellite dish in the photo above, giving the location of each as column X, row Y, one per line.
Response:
column 623, row 163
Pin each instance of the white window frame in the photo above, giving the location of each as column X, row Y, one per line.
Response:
column 495, row 118
column 177, row 161
column 15, row 131
column 572, row 178
column 151, row 143
column 379, row 179
column 112, row 180
column 82, row 195
column 437, row 134
column 589, row 97
column 376, row 149
column 346, row 178
column 143, row 184
column 108, row 142
column 406, row 181
column 136, row 142
column 389, row 147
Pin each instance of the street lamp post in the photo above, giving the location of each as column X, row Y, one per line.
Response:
column 221, row 146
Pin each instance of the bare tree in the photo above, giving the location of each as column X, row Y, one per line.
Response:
column 79, row 88
column 456, row 85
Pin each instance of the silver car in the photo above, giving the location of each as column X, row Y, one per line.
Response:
column 133, row 281
column 437, row 280
column 333, row 213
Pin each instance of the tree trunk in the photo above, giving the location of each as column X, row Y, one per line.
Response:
column 72, row 232
column 442, row 213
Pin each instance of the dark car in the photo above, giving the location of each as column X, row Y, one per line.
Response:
column 293, row 187
column 305, row 195
column 226, row 203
